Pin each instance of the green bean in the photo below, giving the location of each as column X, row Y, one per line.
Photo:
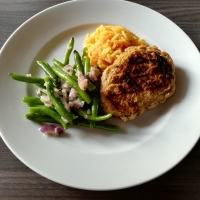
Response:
column 78, row 61
column 95, row 103
column 87, row 65
column 32, row 101
column 95, row 100
column 40, row 118
column 72, row 83
column 43, row 110
column 105, row 126
column 68, row 51
column 27, row 79
column 74, row 66
column 84, row 53
column 91, row 86
column 49, row 72
column 59, row 106
column 98, row 125
column 57, row 63
column 79, row 122
column 84, row 114
column 41, row 86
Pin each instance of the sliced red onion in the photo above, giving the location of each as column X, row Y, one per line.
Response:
column 67, row 106
column 94, row 73
column 50, row 129
column 64, row 93
column 65, row 86
column 82, row 81
column 69, row 69
column 58, row 130
column 89, row 112
column 46, row 101
column 77, row 103
column 72, row 94
column 40, row 91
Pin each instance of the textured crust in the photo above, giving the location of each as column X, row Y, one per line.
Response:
column 139, row 79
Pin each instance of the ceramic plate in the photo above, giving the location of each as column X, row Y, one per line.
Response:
column 146, row 147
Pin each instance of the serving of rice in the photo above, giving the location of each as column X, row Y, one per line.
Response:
column 108, row 42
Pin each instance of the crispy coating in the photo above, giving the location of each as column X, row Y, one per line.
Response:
column 139, row 79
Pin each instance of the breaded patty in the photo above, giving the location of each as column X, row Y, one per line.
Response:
column 139, row 79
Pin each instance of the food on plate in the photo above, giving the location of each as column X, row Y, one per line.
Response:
column 51, row 129
column 67, row 95
column 106, row 43
column 117, row 73
column 139, row 79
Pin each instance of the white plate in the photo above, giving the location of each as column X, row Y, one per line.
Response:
column 93, row 159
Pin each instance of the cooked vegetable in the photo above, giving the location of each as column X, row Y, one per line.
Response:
column 78, row 62
column 34, row 101
column 69, row 94
column 47, row 69
column 108, row 127
column 27, row 79
column 40, row 118
column 95, row 100
column 71, row 82
column 68, row 51
column 95, row 104
column 84, row 53
column 50, row 129
column 42, row 110
column 99, row 125
column 59, row 106
column 84, row 114
column 57, row 63
column 78, row 122
column 86, row 65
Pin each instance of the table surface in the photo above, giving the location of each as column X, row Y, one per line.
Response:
column 19, row 182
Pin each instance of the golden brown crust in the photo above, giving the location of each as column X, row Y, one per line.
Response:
column 139, row 79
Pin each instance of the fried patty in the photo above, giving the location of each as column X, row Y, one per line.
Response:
column 139, row 79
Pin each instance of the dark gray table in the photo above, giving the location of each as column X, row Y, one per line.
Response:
column 20, row 183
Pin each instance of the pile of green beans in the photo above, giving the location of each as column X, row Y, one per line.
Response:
column 57, row 113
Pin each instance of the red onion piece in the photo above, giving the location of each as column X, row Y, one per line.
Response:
column 94, row 73
column 50, row 129
column 58, row 130
column 72, row 94
column 82, row 81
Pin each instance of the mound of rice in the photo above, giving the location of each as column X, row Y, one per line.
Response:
column 108, row 42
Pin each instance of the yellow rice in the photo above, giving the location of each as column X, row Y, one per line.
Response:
column 108, row 42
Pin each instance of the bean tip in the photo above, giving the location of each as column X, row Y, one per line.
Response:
column 10, row 74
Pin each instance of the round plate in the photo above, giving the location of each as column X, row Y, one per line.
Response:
column 94, row 159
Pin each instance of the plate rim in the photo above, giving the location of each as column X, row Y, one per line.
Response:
column 6, row 142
